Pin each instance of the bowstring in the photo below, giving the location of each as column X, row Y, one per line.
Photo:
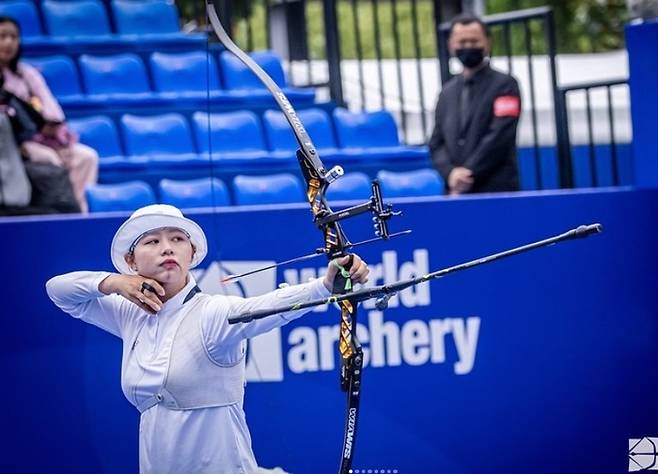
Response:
column 252, row 360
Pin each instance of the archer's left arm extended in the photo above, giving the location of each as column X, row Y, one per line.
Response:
column 224, row 340
column 491, row 152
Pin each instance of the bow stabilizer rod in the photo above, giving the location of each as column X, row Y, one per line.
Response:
column 387, row 291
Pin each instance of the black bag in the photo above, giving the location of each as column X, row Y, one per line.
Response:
column 51, row 188
column 26, row 121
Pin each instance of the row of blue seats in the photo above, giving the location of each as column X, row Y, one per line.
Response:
column 87, row 24
column 123, row 80
column 255, row 190
column 286, row 187
column 168, row 141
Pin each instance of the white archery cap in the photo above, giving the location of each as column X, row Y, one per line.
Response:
column 147, row 219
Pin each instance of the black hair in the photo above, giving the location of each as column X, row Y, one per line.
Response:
column 13, row 64
column 467, row 19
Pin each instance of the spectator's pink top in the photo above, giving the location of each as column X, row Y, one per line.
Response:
column 30, row 83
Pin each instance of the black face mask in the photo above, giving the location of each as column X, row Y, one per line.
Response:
column 470, row 57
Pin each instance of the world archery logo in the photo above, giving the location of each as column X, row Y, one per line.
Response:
column 642, row 454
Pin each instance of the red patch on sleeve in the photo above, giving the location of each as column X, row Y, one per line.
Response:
column 507, row 106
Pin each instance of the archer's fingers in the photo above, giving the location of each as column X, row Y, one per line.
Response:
column 361, row 276
column 359, row 271
column 342, row 261
column 142, row 306
column 159, row 290
column 146, row 302
column 150, row 295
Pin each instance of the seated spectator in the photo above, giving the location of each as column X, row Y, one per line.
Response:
column 54, row 143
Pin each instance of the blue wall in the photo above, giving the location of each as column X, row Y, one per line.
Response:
column 560, row 373
column 641, row 41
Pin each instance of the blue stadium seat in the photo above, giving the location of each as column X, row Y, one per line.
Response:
column 365, row 129
column 26, row 14
column 242, row 82
column 230, row 136
column 122, row 75
column 79, row 18
column 185, row 74
column 238, row 76
column 98, row 132
column 61, row 76
column 423, row 182
column 149, row 17
column 350, row 186
column 204, row 192
column 282, row 141
column 272, row 189
column 160, row 134
column 372, row 135
column 126, row 196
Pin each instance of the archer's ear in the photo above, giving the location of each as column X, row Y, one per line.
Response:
column 130, row 260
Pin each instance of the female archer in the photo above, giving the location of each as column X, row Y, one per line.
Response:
column 183, row 365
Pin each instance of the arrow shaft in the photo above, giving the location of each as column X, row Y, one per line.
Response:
column 377, row 291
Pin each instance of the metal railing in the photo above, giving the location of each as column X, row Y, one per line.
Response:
column 392, row 73
column 282, row 26
column 374, row 52
column 587, row 89
column 391, row 54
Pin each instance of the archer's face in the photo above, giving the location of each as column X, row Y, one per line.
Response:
column 470, row 35
column 9, row 41
column 164, row 255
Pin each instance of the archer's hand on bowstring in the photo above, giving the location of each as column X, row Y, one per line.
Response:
column 135, row 288
column 358, row 270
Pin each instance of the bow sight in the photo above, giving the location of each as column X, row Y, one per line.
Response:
column 381, row 213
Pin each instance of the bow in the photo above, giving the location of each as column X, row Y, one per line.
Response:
column 336, row 243
column 318, row 178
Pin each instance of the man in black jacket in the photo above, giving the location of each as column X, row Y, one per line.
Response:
column 474, row 140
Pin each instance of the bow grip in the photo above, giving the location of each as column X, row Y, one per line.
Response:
column 342, row 280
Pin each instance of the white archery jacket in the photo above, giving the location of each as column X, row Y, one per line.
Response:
column 184, row 368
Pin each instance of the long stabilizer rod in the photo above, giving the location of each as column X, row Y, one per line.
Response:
column 387, row 291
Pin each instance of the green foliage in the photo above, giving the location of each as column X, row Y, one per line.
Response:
column 365, row 20
column 583, row 26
